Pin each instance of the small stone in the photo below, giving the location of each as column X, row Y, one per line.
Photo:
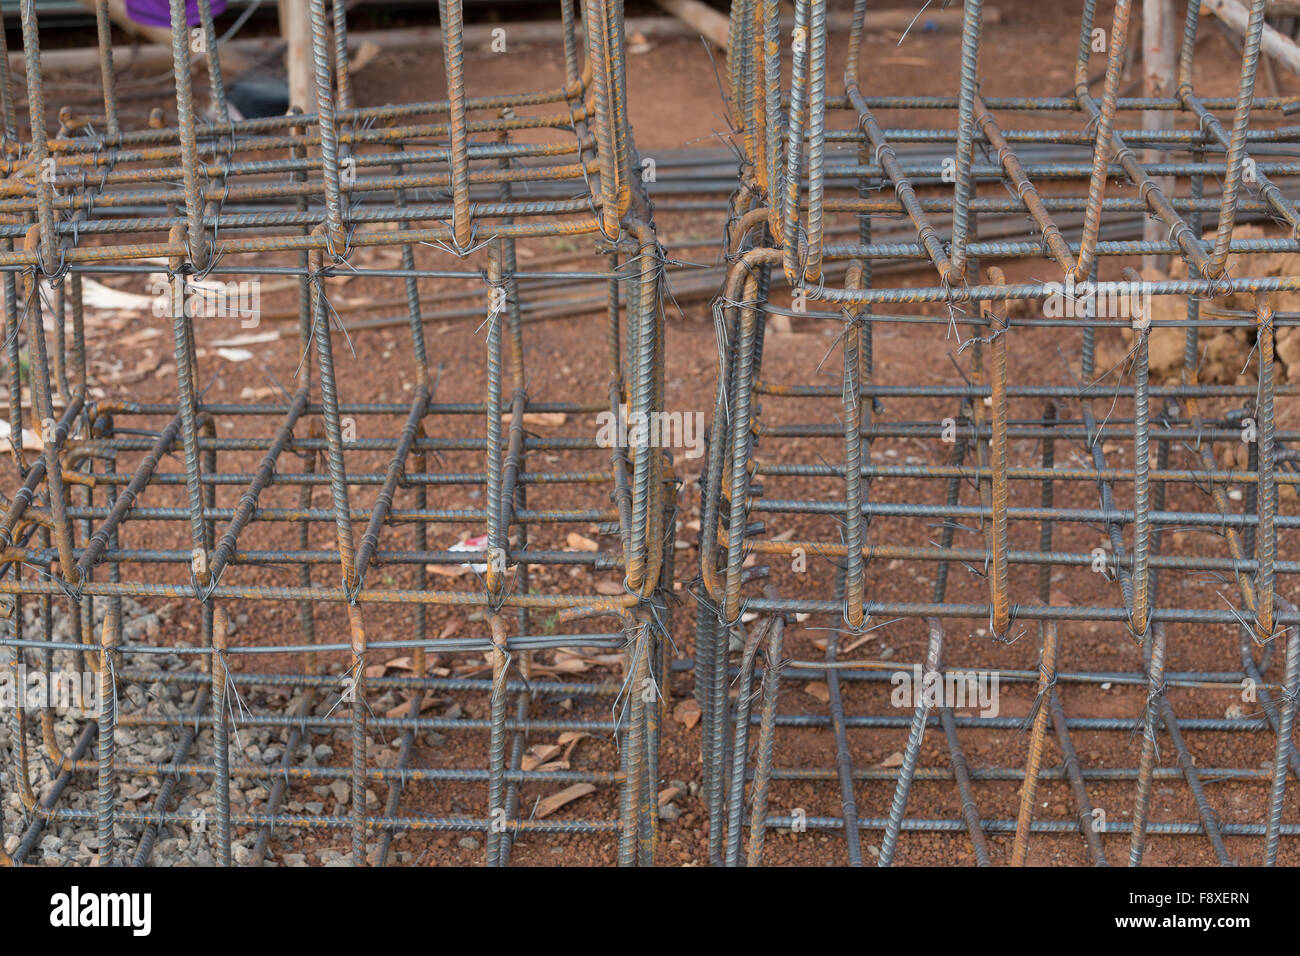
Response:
column 468, row 843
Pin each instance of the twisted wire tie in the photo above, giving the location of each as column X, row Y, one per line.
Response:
column 72, row 591
column 1145, row 187
column 57, row 276
column 352, row 591
column 214, row 255
column 850, row 627
column 1156, row 693
column 1043, row 693
column 1012, row 614
column 734, row 621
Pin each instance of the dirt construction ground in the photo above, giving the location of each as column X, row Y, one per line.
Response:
column 675, row 104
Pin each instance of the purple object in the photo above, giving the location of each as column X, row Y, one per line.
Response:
column 157, row 13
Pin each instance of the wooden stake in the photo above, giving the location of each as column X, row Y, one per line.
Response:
column 1279, row 47
column 1159, row 69
column 295, row 28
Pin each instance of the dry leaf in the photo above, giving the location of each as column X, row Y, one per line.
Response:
column 566, row 663
column 257, row 394
column 818, row 689
column 401, row 710
column 550, row 804
column 147, row 366
column 570, row 740
column 96, row 295
column 579, row 543
column 539, row 755
column 447, row 570
column 856, row 644
column 365, row 54
column 135, row 338
column 537, row 419
column 688, row 712
column 551, row 419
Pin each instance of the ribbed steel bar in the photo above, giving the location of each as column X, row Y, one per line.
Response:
column 206, row 517
column 801, row 526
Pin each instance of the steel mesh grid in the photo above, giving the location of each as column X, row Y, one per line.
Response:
column 880, row 164
column 294, row 197
column 812, row 486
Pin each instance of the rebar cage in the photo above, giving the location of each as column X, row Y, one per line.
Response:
column 928, row 616
column 1072, row 448
column 140, row 538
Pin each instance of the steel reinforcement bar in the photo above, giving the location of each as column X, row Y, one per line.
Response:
column 242, row 582
column 1018, row 646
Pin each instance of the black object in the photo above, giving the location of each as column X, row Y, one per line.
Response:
column 256, row 96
